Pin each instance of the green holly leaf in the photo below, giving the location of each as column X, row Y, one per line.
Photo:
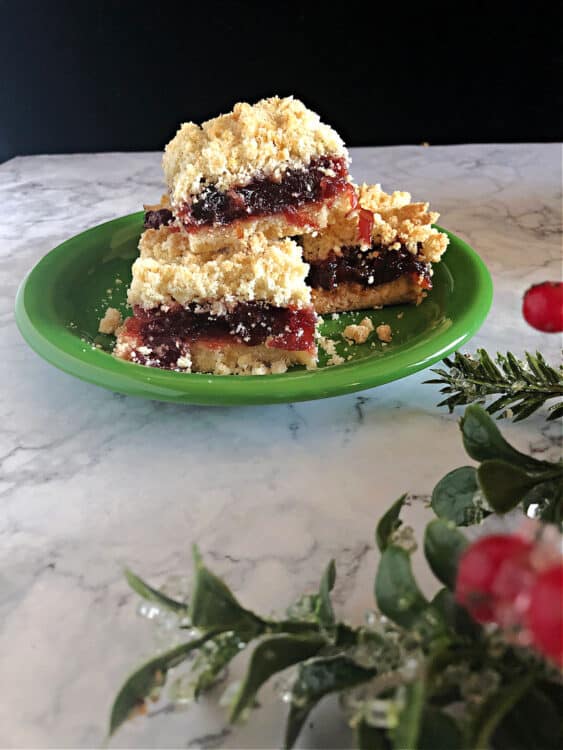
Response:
column 396, row 591
column 318, row 678
column 443, row 545
column 153, row 595
column 214, row 606
column 389, row 523
column 147, row 681
column 456, row 497
column 483, row 440
column 504, row 485
column 273, row 655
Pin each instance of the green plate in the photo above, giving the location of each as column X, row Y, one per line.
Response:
column 61, row 301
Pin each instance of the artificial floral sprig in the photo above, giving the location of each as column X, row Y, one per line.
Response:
column 458, row 671
column 504, row 479
column 400, row 677
column 522, row 387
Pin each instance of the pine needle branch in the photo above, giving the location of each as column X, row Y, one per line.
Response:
column 521, row 387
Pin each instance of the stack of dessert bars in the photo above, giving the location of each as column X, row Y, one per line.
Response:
column 262, row 228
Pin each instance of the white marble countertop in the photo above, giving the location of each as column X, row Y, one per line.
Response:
column 91, row 481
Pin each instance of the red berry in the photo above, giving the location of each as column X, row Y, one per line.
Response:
column 479, row 585
column 511, row 591
column 545, row 615
column 543, row 306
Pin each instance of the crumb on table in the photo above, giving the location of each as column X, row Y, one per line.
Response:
column 110, row 322
column 384, row 333
column 358, row 333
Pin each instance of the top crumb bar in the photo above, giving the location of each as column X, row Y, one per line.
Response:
column 265, row 139
column 383, row 221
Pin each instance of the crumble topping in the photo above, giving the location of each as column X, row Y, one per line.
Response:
column 262, row 270
column 359, row 334
column 374, row 199
column 384, row 333
column 184, row 362
column 110, row 322
column 397, row 221
column 329, row 347
column 266, row 138
column 393, row 221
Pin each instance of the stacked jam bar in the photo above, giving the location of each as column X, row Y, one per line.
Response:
column 262, row 228
column 220, row 285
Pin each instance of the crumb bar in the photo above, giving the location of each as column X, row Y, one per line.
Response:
column 272, row 167
column 379, row 254
column 241, row 311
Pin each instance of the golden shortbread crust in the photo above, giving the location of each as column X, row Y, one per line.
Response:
column 351, row 296
column 309, row 218
column 229, row 358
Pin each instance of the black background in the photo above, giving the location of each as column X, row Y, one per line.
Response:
column 111, row 76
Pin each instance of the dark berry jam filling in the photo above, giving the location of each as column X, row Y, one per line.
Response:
column 167, row 335
column 263, row 195
column 162, row 217
column 370, row 268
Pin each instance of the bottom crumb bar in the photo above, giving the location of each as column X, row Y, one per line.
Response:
column 239, row 339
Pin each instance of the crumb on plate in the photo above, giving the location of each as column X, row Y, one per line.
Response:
column 110, row 322
column 358, row 333
column 329, row 347
column 384, row 333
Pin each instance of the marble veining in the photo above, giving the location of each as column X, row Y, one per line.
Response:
column 91, row 480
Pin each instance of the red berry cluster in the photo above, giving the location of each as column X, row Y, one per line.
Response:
column 516, row 583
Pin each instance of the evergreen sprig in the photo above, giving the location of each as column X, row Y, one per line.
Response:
column 522, row 387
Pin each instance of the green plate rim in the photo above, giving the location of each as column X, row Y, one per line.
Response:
column 101, row 369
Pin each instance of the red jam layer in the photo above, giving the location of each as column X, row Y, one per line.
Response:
column 168, row 335
column 263, row 195
column 370, row 268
